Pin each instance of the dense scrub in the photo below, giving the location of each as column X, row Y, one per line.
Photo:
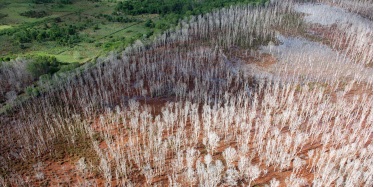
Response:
column 34, row 14
column 179, row 7
column 51, row 1
column 66, row 35
column 200, row 106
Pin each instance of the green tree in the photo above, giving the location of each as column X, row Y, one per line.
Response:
column 42, row 65
column 149, row 23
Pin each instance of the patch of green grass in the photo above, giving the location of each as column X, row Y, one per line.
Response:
column 5, row 27
column 136, row 29
column 14, row 9
column 79, row 53
column 61, row 58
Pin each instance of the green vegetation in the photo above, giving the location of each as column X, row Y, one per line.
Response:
column 65, row 35
column 51, row 1
column 43, row 65
column 34, row 14
column 121, row 18
column 81, row 30
column 41, row 1
column 71, row 31
column 48, row 65
column 3, row 15
column 178, row 7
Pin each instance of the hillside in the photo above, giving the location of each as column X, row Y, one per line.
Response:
column 274, row 94
column 45, row 38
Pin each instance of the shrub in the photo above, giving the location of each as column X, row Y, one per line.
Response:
column 34, row 14
column 3, row 15
column 43, row 65
column 68, row 67
column 149, row 23
column 32, row 91
column 41, row 1
column 66, row 1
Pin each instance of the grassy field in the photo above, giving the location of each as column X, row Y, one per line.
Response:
column 98, row 26
column 97, row 36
